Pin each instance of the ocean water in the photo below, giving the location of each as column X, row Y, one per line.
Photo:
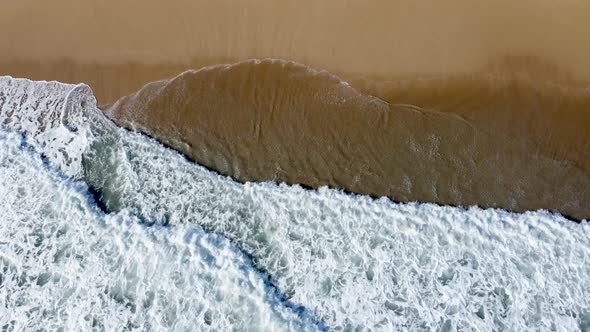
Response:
column 105, row 228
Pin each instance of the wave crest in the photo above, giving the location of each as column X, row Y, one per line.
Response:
column 54, row 117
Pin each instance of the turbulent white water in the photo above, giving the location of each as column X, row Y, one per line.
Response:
column 334, row 260
column 65, row 264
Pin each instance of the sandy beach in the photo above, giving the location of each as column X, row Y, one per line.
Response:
column 516, row 72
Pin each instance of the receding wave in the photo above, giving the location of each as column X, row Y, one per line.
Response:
column 282, row 121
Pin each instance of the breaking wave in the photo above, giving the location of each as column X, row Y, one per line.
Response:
column 64, row 264
column 182, row 247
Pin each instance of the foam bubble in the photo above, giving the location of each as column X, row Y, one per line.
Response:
column 66, row 265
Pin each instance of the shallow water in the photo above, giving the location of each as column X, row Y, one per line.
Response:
column 514, row 142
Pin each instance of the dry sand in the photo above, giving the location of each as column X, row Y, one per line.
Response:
column 281, row 121
column 379, row 38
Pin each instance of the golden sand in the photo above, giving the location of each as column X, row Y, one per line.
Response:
column 391, row 38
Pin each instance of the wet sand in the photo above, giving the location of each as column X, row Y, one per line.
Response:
column 502, row 86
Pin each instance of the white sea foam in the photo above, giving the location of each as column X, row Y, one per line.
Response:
column 369, row 263
column 65, row 265
column 355, row 262
column 40, row 110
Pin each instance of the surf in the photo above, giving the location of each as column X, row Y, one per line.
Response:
column 352, row 261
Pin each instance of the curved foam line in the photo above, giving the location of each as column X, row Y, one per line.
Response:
column 68, row 105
